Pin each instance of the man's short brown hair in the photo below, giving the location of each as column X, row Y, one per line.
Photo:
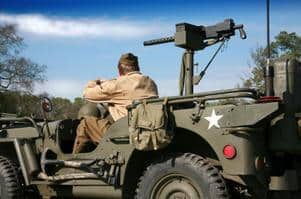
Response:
column 128, row 63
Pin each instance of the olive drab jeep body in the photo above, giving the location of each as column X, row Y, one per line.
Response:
column 232, row 143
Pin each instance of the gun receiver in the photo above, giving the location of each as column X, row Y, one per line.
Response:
column 194, row 37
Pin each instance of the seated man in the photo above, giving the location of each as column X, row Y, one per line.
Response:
column 117, row 94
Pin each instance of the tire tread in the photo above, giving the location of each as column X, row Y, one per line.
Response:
column 199, row 163
column 9, row 172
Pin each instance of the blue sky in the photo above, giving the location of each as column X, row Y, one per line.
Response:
column 82, row 40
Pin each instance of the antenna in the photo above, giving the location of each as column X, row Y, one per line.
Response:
column 268, row 30
column 269, row 69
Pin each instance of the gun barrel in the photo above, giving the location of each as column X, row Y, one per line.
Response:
column 159, row 41
column 239, row 26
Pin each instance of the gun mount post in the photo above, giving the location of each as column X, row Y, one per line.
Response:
column 189, row 72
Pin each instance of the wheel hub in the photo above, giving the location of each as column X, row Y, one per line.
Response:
column 179, row 195
column 175, row 186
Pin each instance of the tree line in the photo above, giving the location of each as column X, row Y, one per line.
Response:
column 26, row 104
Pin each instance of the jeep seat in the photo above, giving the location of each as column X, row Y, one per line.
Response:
column 66, row 133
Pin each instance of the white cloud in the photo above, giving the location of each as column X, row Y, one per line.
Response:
column 61, row 88
column 73, row 88
column 167, row 87
column 63, row 27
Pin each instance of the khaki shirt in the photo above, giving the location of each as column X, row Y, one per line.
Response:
column 120, row 92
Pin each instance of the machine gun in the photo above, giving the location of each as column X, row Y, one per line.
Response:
column 193, row 38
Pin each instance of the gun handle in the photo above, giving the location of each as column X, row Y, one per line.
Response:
column 242, row 33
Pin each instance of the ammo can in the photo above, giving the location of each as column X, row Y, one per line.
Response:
column 286, row 131
column 287, row 83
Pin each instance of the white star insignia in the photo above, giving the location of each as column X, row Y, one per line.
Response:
column 213, row 119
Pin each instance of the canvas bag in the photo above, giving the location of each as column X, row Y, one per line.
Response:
column 150, row 127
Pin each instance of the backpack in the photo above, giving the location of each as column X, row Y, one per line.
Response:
column 150, row 126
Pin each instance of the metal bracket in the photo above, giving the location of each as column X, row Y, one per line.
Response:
column 196, row 116
column 106, row 169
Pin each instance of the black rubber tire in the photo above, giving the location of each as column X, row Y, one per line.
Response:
column 10, row 184
column 191, row 176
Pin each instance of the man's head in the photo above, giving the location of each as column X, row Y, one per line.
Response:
column 128, row 63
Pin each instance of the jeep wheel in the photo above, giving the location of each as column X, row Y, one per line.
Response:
column 184, row 176
column 10, row 186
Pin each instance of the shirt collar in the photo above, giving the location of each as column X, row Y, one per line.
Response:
column 133, row 72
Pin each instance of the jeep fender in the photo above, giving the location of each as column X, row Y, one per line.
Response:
column 20, row 152
column 236, row 127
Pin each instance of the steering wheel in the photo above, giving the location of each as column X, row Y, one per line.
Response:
column 46, row 104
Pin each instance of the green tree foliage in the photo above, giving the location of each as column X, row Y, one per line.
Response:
column 16, row 72
column 78, row 102
column 24, row 104
column 285, row 46
column 21, row 104
column 289, row 45
column 63, row 108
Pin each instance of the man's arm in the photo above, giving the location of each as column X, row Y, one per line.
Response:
column 100, row 90
column 91, row 84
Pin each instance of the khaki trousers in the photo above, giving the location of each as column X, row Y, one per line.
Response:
column 90, row 129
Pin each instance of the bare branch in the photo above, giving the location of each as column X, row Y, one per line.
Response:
column 16, row 72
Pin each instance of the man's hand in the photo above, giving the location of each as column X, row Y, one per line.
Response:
column 98, row 81
column 93, row 83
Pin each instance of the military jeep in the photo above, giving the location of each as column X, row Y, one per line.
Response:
column 234, row 143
